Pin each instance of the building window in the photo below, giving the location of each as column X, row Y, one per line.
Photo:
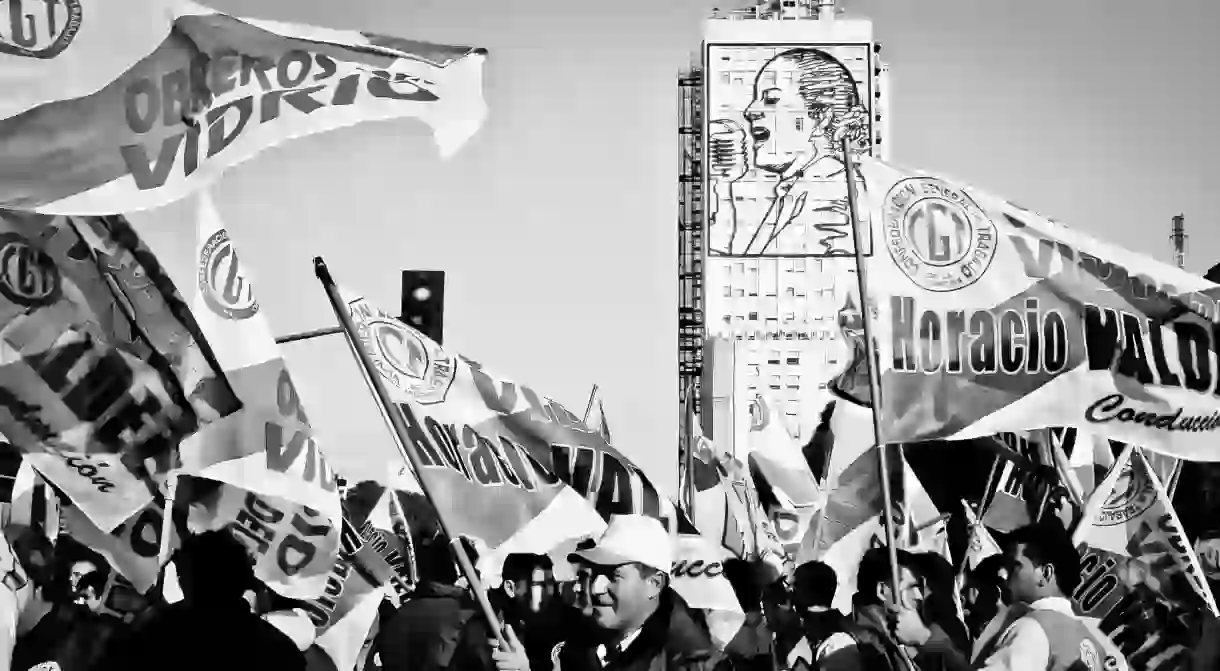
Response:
column 753, row 316
column 769, row 77
column 773, row 359
column 790, row 291
column 794, row 357
column 799, row 123
column 728, row 292
column 740, row 293
column 794, row 381
column 775, row 382
column 821, row 385
column 754, row 370
column 740, row 268
column 724, row 78
column 789, row 316
column 798, row 265
column 728, row 319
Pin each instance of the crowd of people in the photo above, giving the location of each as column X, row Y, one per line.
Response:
column 1012, row 611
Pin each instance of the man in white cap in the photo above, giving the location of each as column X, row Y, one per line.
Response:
column 640, row 623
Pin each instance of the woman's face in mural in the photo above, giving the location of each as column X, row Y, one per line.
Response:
column 780, row 128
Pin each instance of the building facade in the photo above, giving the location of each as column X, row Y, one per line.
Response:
column 765, row 239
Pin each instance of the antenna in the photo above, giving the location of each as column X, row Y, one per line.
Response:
column 1177, row 236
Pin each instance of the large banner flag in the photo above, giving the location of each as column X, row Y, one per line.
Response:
column 99, row 353
column 266, row 452
column 992, row 318
column 1140, row 579
column 118, row 109
column 485, row 471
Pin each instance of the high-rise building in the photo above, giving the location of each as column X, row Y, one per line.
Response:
column 765, row 243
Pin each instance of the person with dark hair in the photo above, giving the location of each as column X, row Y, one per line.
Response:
column 827, row 642
column 940, row 604
column 753, row 644
column 72, row 635
column 985, row 596
column 441, row 626
column 1043, row 633
column 915, row 639
column 526, row 602
column 213, row 626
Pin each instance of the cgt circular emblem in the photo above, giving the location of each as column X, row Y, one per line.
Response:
column 1133, row 494
column 28, row 277
column 225, row 290
column 38, row 28
column 937, row 235
column 409, row 361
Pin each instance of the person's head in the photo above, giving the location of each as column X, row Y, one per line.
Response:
column 1041, row 562
column 813, row 586
column 625, row 572
column 874, row 584
column 808, row 80
column 529, row 581
column 214, row 566
column 984, row 591
column 90, row 589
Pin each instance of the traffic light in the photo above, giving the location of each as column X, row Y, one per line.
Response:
column 423, row 301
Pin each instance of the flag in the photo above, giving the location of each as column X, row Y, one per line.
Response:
column 114, row 108
column 982, row 545
column 778, row 459
column 850, row 522
column 992, row 318
column 100, row 355
column 489, row 474
column 266, row 454
column 1140, row 579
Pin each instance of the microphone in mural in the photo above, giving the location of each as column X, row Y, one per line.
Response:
column 728, row 162
column 804, row 103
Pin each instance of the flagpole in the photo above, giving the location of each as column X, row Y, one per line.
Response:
column 589, row 407
column 406, row 449
column 874, row 378
column 306, row 335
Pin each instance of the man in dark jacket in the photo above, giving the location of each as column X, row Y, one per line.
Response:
column 640, row 623
column 213, row 627
column 440, row 626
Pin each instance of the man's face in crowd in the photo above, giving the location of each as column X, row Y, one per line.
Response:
column 980, row 601
column 620, row 596
column 910, row 590
column 1025, row 579
column 535, row 594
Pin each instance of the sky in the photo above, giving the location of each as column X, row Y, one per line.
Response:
column 556, row 224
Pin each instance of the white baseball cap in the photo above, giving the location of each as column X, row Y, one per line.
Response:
column 630, row 539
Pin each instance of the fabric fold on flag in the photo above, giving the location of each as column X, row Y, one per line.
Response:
column 132, row 108
column 991, row 318
column 778, row 460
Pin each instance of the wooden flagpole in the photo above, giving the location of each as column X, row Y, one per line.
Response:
column 874, row 375
column 406, row 449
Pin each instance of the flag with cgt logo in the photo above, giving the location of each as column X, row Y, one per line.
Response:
column 991, row 318
column 99, row 353
column 280, row 495
column 119, row 107
column 481, row 469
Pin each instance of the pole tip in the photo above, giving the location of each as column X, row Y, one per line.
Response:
column 320, row 269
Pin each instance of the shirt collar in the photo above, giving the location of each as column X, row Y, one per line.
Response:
column 1058, row 604
column 603, row 651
